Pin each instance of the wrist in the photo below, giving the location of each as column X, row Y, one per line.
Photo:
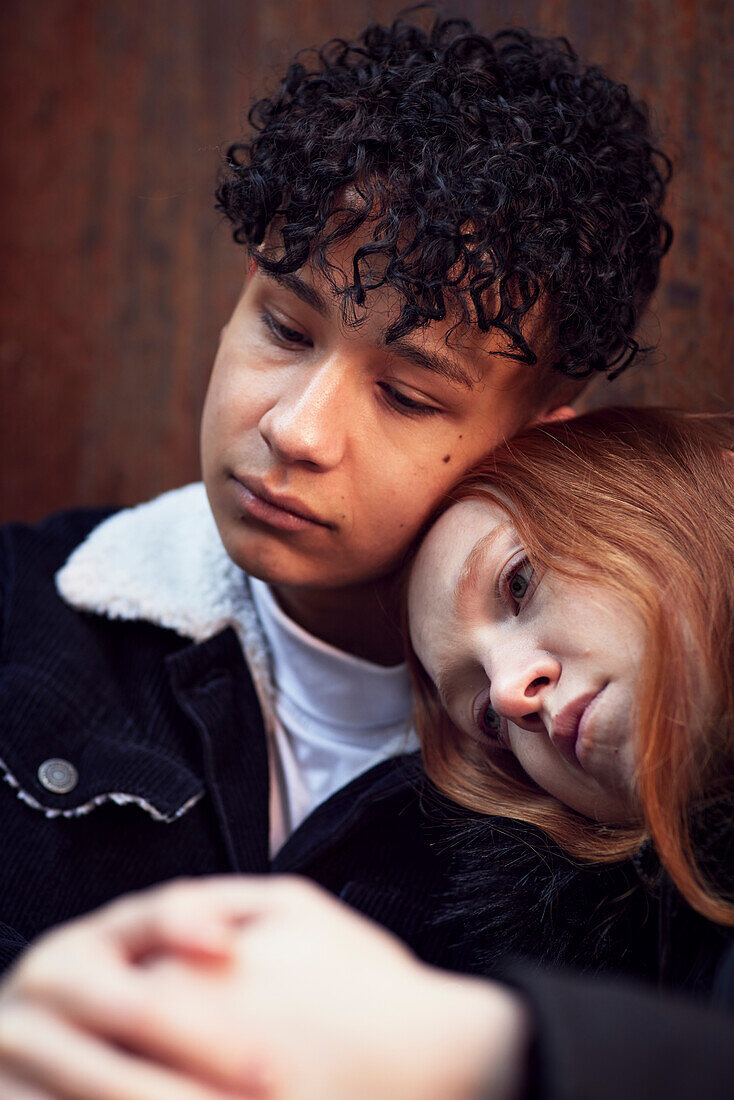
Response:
column 485, row 1034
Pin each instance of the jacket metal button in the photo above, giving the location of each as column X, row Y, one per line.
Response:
column 58, row 776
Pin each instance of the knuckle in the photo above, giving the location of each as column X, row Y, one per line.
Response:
column 295, row 889
column 176, row 891
column 31, row 976
column 18, row 1023
column 139, row 1018
column 176, row 897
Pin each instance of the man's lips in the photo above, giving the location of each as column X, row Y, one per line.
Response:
column 279, row 510
column 567, row 727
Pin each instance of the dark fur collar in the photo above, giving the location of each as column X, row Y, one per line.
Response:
column 517, row 894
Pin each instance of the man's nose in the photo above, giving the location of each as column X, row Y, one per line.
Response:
column 521, row 684
column 308, row 421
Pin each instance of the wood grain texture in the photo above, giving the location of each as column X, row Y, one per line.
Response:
column 117, row 272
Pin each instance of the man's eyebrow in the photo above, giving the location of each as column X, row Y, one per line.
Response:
column 442, row 365
column 301, row 289
column 438, row 364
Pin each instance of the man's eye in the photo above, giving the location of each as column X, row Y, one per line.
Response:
column 404, row 404
column 282, row 333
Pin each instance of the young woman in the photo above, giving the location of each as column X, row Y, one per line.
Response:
column 573, row 616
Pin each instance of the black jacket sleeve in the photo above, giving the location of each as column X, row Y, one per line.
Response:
column 11, row 942
column 11, row 945
column 602, row 1039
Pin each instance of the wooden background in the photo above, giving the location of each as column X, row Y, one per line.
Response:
column 117, row 272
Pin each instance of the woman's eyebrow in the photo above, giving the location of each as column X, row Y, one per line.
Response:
column 472, row 567
column 447, row 685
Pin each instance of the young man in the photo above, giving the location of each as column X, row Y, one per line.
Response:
column 446, row 233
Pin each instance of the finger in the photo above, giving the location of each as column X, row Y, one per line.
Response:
column 169, row 1012
column 176, row 1015
column 13, row 1088
column 85, row 976
column 98, row 991
column 183, row 918
column 191, row 916
column 47, row 1053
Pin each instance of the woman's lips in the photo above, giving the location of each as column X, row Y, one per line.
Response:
column 569, row 726
column 283, row 512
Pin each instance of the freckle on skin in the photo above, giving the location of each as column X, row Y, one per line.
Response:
column 447, row 458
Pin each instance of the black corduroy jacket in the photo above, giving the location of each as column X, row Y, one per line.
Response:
column 167, row 742
column 167, row 746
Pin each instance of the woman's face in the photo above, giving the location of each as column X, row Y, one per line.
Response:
column 540, row 665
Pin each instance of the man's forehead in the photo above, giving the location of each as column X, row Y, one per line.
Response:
column 359, row 257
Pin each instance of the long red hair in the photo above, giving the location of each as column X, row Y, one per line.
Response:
column 642, row 500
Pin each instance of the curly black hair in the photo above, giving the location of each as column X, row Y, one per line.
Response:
column 490, row 171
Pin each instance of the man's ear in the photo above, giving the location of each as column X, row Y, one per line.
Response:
column 562, row 412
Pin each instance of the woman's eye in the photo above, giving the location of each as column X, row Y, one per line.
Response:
column 491, row 724
column 400, row 401
column 520, row 582
column 284, row 334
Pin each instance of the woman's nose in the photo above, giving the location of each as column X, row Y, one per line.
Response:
column 519, row 688
column 308, row 420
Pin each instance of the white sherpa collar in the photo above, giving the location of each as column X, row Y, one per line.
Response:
column 164, row 562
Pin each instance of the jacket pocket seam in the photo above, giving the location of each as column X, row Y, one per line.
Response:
column 119, row 798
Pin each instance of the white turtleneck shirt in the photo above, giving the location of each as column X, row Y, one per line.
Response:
column 336, row 716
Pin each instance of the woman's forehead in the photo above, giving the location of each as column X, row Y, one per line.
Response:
column 458, row 529
column 446, row 550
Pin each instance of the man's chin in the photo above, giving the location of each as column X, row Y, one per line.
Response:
column 269, row 558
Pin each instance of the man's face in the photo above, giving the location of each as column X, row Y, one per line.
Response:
column 324, row 450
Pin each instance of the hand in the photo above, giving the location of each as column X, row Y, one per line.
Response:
column 47, row 1051
column 316, row 1003
column 325, row 1005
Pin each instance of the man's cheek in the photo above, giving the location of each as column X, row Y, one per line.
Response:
column 396, row 523
column 239, row 415
column 254, row 394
